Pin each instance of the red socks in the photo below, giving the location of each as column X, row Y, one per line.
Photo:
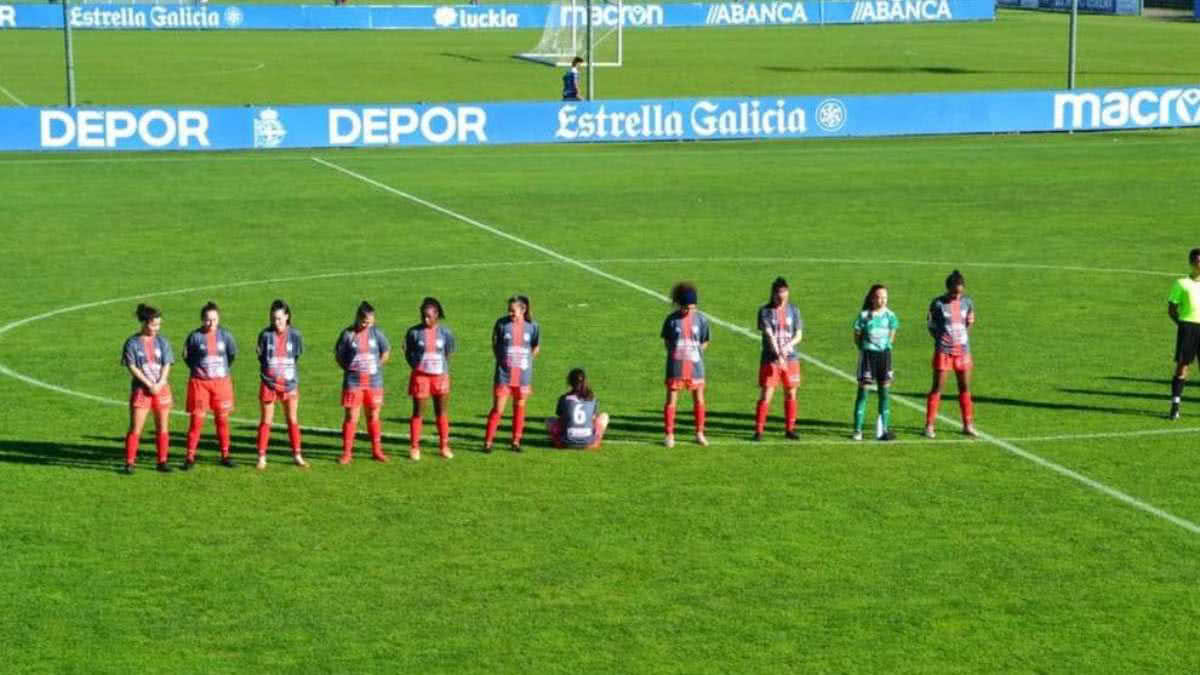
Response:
column 443, row 425
column 760, row 417
column 223, row 435
column 968, row 408
column 375, row 428
column 669, row 419
column 699, row 412
column 131, row 448
column 789, row 412
column 348, row 431
column 518, row 423
column 492, row 424
column 193, row 436
column 931, row 407
column 264, row 437
column 414, row 432
column 294, row 437
column 161, row 442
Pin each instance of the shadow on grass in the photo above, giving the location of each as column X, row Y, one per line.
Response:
column 1160, row 396
column 1049, row 405
column 462, row 57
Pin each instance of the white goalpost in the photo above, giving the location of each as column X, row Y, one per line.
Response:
column 566, row 33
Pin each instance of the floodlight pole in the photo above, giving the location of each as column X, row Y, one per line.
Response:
column 1071, row 44
column 68, row 47
column 591, row 76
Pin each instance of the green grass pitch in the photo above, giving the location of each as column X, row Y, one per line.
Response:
column 818, row 555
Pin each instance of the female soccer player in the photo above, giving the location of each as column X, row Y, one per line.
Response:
column 148, row 357
column 686, row 335
column 209, row 352
column 516, row 340
column 782, row 328
column 577, row 424
column 950, row 319
column 361, row 351
column 874, row 332
column 279, row 348
column 427, row 348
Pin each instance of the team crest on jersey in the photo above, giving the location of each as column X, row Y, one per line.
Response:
column 371, row 343
column 527, row 337
column 441, row 343
column 220, row 346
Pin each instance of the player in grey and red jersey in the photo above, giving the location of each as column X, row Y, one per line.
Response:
column 685, row 334
column 279, row 348
column 148, row 357
column 209, row 352
column 361, row 351
column 427, row 348
column 782, row 328
column 516, row 340
column 950, row 319
column 577, row 424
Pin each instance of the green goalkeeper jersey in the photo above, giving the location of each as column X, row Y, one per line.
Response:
column 876, row 329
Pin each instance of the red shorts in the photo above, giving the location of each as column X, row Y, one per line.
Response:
column 959, row 364
column 519, row 393
column 271, row 394
column 422, row 386
column 140, row 398
column 678, row 383
column 772, row 375
column 353, row 398
column 205, row 395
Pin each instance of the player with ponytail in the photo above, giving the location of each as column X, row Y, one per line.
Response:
column 148, row 357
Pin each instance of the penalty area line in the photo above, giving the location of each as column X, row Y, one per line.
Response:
column 833, row 370
column 13, row 96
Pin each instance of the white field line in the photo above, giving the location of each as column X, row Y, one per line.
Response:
column 1024, row 454
column 12, row 96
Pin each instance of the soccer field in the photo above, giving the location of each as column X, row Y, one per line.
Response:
column 822, row 554
column 1064, row 539
column 1020, row 50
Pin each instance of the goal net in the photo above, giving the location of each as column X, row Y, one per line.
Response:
column 565, row 34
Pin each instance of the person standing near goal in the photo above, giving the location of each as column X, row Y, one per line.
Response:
column 874, row 333
column 950, row 319
column 209, row 352
column 362, row 350
column 279, row 348
column 781, row 328
column 1183, row 306
column 516, row 341
column 570, row 80
column 148, row 357
column 427, row 348
column 685, row 334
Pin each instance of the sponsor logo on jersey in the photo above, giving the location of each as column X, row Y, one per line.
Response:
column 1120, row 109
column 449, row 17
column 879, row 11
column 706, row 119
column 268, row 132
column 608, row 16
column 154, row 128
column 756, row 13
column 385, row 126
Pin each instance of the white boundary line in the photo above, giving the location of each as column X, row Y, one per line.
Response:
column 1024, row 454
column 13, row 96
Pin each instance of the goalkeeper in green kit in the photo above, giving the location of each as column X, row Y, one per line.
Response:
column 874, row 332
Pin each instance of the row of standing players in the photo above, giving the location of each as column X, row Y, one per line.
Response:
column 362, row 350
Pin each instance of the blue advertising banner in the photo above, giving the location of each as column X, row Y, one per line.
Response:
column 1124, row 7
column 563, row 122
column 478, row 17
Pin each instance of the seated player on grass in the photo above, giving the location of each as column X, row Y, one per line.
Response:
column 577, row 424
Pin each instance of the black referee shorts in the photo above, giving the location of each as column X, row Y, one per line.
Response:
column 1187, row 342
column 874, row 366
